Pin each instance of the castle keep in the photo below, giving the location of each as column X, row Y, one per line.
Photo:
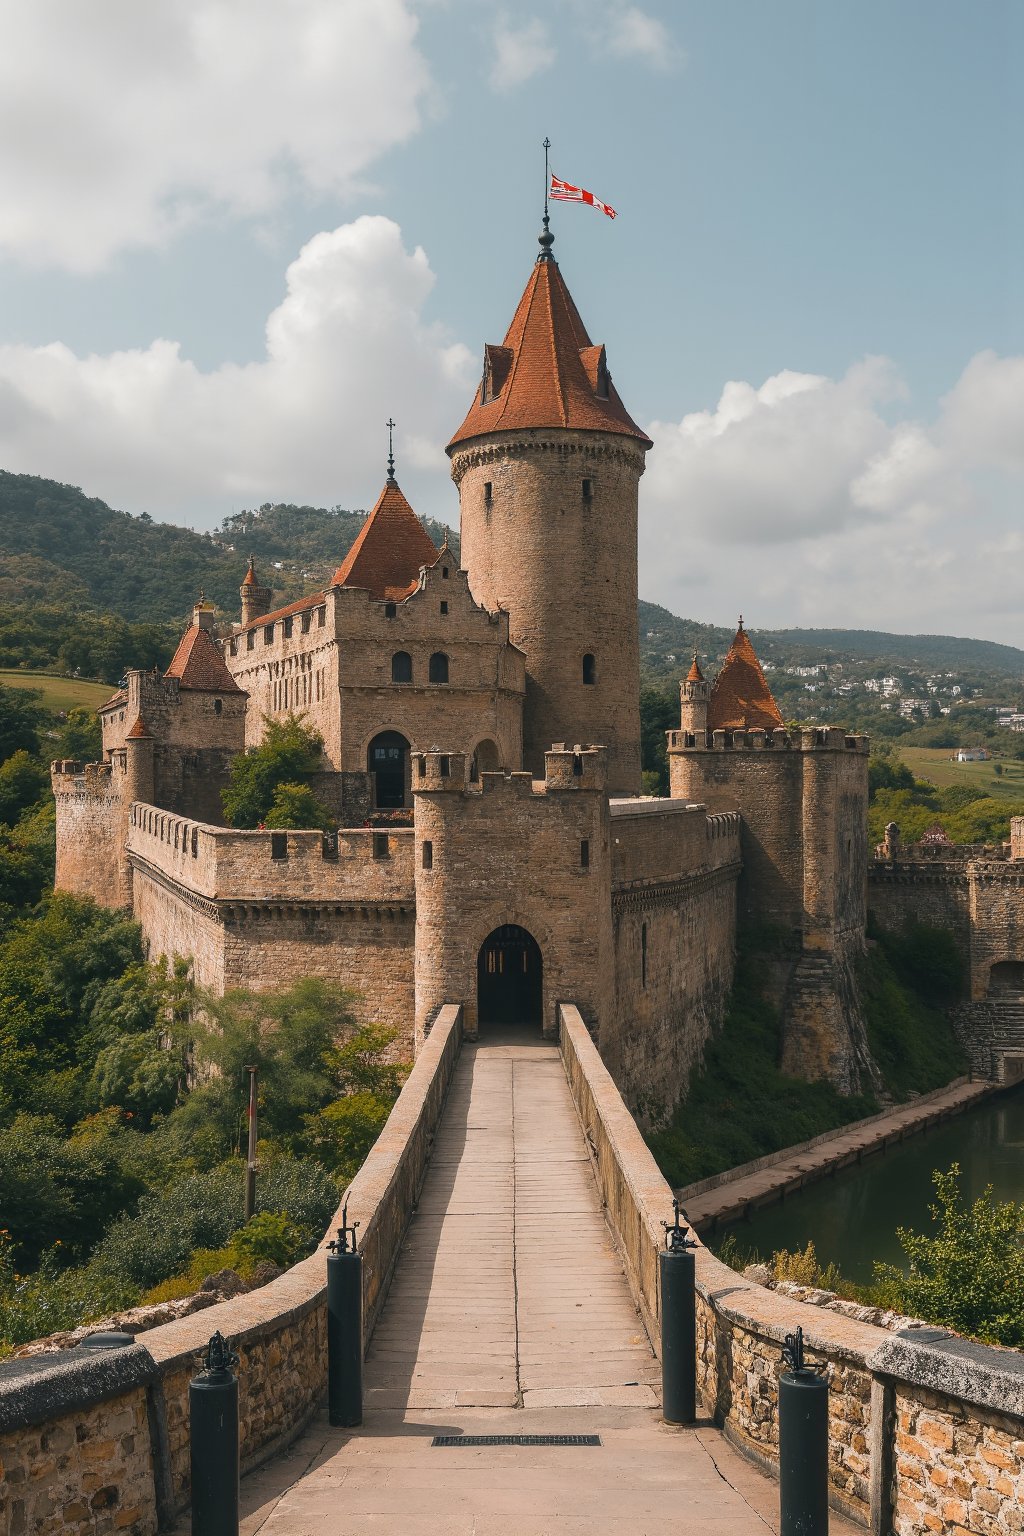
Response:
column 480, row 720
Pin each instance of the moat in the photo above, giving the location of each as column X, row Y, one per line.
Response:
column 852, row 1217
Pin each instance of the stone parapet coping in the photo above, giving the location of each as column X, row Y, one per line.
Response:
column 47, row 1386
column 898, row 1405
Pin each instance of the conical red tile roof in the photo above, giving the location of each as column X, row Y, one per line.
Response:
column 138, row 730
column 547, row 373
column 197, row 663
column 392, row 546
column 695, row 675
column 740, row 698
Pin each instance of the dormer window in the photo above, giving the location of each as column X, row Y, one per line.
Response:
column 497, row 366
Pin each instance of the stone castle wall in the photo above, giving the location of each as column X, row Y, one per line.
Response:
column 337, row 909
column 932, row 893
column 92, row 820
column 332, row 662
column 549, row 533
column 511, row 852
column 674, row 873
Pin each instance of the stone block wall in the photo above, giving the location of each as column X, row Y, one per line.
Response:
column 549, row 533
column 92, row 820
column 933, row 893
column 926, row 1431
column 674, row 871
column 511, row 852
column 996, row 894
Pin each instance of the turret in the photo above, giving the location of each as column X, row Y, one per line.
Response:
column 256, row 599
column 694, row 692
column 548, row 464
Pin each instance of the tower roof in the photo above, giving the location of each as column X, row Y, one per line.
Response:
column 695, row 675
column 138, row 730
column 250, row 579
column 547, row 372
column 198, row 663
column 392, row 546
column 740, row 698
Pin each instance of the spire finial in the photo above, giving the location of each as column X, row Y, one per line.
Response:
column 391, row 451
column 741, row 623
column 546, row 239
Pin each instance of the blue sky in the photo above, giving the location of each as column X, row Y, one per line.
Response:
column 812, row 295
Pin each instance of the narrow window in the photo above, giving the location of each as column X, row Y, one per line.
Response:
column 250, row 639
column 268, row 634
column 329, row 848
column 474, row 769
column 589, row 669
column 444, row 607
column 390, row 609
column 380, row 845
column 421, row 767
column 287, row 627
column 233, row 647
column 577, row 765
column 428, row 855
column 401, row 667
column 488, row 496
column 585, row 853
column 304, row 621
column 195, row 842
column 438, row 667
column 643, row 955
column 321, row 617
column 279, row 845
column 444, row 573
column 218, row 706
column 587, row 490
column 445, row 767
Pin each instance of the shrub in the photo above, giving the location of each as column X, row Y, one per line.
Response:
column 269, row 1238
column 288, row 754
column 343, row 1133
column 296, row 807
column 969, row 1276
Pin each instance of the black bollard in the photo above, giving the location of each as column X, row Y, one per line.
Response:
column 213, row 1442
column 676, row 1269
column 345, row 1328
column 803, row 1443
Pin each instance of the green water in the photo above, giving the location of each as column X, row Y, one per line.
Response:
column 852, row 1217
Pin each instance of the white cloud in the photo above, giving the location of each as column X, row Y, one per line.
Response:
column 122, row 123
column 631, row 33
column 814, row 501
column 520, row 53
column 146, row 429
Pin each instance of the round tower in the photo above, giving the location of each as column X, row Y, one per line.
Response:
column 256, row 599
column 694, row 693
column 548, row 464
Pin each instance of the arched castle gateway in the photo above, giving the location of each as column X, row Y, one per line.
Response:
column 482, row 758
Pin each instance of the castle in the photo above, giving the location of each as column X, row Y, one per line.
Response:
column 481, row 736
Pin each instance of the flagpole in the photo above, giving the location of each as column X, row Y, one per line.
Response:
column 547, row 179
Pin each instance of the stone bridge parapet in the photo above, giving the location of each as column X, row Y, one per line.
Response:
column 926, row 1430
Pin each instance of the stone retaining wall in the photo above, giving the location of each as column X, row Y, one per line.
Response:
column 926, row 1433
column 91, row 1444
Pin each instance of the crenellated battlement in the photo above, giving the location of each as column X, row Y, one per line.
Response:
column 810, row 739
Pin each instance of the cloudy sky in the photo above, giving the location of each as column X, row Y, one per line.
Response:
column 235, row 235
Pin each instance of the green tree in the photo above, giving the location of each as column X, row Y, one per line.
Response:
column 23, row 782
column 289, row 754
column 22, row 719
column 659, row 712
column 296, row 807
column 136, row 1073
column 27, row 853
column 968, row 1276
column 80, row 736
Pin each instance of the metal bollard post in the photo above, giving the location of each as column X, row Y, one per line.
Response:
column 803, row 1443
column 676, row 1269
column 345, row 1328
column 213, row 1442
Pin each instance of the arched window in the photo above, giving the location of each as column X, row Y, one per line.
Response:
column 401, row 667
column 589, row 668
column 439, row 667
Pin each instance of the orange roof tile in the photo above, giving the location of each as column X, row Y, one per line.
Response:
column 740, row 698
column 548, row 373
column 392, row 546
column 120, row 697
column 312, row 600
column 138, row 729
column 695, row 675
column 249, row 579
column 197, row 663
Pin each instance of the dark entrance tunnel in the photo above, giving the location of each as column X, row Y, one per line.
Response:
column 510, row 982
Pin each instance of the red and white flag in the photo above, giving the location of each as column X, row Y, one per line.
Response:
column 565, row 192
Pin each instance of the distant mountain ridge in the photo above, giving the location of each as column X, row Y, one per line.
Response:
column 59, row 546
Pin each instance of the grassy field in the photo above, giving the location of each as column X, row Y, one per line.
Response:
column 59, row 692
column 940, row 766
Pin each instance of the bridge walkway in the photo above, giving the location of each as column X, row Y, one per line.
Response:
column 509, row 1313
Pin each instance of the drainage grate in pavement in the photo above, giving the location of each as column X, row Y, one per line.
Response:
column 516, row 1440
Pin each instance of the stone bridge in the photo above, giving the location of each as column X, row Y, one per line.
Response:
column 511, row 1221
